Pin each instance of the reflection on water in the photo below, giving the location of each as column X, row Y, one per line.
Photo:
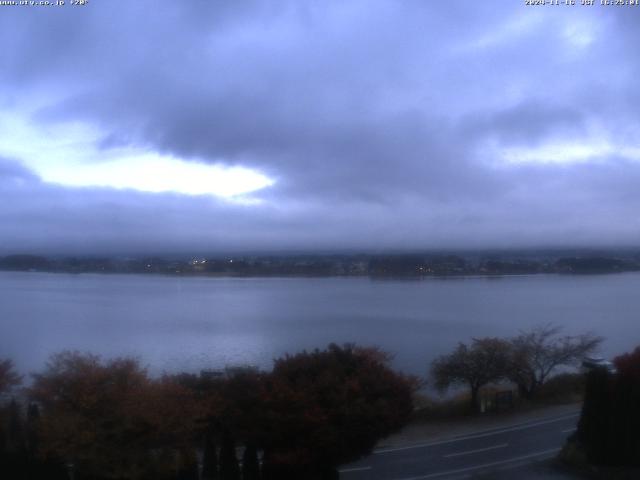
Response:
column 188, row 323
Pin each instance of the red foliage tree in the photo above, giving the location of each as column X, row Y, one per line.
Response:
column 328, row 407
column 628, row 365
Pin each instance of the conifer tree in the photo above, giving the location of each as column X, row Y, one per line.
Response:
column 210, row 458
column 188, row 465
column 250, row 466
column 229, row 468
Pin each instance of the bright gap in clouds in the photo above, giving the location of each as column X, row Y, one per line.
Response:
column 69, row 156
column 569, row 153
column 155, row 173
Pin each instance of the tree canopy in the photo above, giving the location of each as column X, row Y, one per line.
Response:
column 537, row 353
column 106, row 417
column 109, row 419
column 331, row 406
column 9, row 378
column 527, row 360
column 484, row 361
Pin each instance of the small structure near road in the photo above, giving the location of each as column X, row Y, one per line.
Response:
column 497, row 401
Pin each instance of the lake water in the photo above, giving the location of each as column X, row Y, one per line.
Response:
column 174, row 323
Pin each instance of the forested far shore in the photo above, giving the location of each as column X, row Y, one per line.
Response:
column 391, row 265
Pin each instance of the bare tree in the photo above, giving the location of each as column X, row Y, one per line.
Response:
column 537, row 353
column 485, row 361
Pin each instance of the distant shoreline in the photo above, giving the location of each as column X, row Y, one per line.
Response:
column 469, row 276
column 402, row 266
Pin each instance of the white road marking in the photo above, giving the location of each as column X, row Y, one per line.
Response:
column 484, row 465
column 354, row 469
column 568, row 430
column 469, row 452
column 521, row 426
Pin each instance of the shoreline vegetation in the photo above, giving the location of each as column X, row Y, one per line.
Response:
column 94, row 418
column 34, row 446
column 344, row 265
column 90, row 418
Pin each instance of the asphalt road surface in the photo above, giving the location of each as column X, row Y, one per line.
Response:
column 485, row 454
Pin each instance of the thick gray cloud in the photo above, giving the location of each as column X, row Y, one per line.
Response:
column 384, row 124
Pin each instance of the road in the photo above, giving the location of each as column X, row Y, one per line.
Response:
column 475, row 454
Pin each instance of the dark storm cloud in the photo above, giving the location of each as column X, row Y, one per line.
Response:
column 526, row 123
column 379, row 121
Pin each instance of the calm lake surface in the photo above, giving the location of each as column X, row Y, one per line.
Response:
column 174, row 323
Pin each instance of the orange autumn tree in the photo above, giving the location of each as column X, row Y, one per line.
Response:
column 109, row 419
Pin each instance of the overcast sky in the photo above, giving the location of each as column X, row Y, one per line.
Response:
column 202, row 126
